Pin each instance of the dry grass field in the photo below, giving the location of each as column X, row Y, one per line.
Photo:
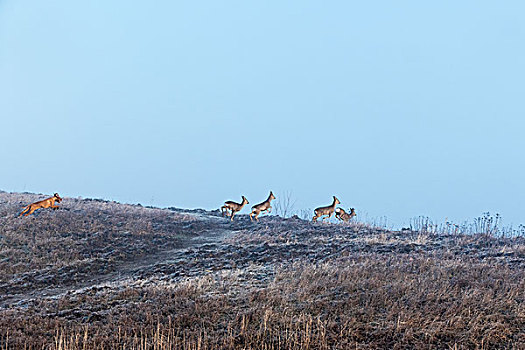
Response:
column 103, row 275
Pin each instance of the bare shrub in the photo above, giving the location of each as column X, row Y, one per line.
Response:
column 486, row 224
column 285, row 204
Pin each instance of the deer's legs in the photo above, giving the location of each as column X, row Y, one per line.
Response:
column 224, row 209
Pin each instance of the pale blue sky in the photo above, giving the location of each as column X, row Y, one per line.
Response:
column 399, row 108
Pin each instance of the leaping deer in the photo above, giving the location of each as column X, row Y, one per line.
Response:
column 328, row 210
column 264, row 206
column 233, row 207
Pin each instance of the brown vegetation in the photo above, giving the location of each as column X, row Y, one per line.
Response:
column 283, row 284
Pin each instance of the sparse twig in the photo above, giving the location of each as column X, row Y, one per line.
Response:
column 284, row 204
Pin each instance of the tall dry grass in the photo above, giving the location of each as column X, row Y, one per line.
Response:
column 278, row 284
column 366, row 302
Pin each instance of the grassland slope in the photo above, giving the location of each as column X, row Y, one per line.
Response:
column 99, row 274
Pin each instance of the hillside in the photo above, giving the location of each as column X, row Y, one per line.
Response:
column 102, row 274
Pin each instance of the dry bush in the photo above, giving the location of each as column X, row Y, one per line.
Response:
column 284, row 206
column 486, row 224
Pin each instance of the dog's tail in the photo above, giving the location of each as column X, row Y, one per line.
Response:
column 24, row 210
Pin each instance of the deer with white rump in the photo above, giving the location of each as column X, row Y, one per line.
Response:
column 342, row 215
column 264, row 206
column 328, row 210
column 233, row 207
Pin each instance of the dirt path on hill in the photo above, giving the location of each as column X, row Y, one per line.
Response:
column 213, row 247
column 129, row 271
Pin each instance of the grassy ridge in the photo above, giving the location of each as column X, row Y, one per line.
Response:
column 83, row 238
column 279, row 284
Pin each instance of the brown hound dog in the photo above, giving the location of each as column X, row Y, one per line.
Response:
column 46, row 203
column 233, row 207
column 264, row 206
column 328, row 210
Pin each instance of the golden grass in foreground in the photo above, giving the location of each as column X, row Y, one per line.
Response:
column 366, row 302
column 101, row 275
